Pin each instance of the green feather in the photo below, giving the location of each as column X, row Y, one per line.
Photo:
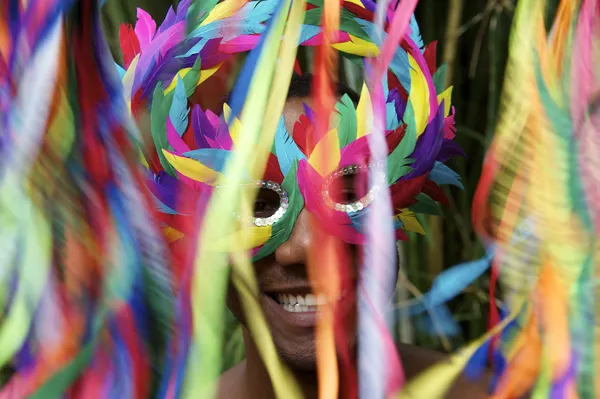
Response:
column 348, row 22
column 398, row 164
column 190, row 80
column 197, row 13
column 347, row 121
column 283, row 228
column 439, row 79
column 426, row 205
column 159, row 112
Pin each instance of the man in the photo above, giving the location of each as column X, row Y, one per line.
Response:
column 190, row 153
column 288, row 303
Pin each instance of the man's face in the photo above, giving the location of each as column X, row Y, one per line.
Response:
column 287, row 300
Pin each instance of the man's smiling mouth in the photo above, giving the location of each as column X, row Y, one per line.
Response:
column 301, row 302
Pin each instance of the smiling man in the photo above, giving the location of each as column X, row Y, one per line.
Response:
column 190, row 148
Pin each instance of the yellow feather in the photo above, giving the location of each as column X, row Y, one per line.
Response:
column 204, row 74
column 446, row 97
column 235, row 126
column 192, row 169
column 434, row 382
column 172, row 234
column 419, row 95
column 364, row 113
column 357, row 46
column 245, row 239
column 128, row 80
column 410, row 222
column 143, row 159
column 357, row 2
column 326, row 162
column 223, row 10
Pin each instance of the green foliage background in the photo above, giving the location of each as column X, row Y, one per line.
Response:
column 472, row 39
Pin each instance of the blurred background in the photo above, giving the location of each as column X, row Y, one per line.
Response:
column 472, row 38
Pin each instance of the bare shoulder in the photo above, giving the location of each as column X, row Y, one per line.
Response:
column 416, row 360
column 230, row 382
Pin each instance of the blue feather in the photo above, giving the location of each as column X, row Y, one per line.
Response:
column 179, row 109
column 286, row 149
column 257, row 8
column 242, row 85
column 162, row 207
column 120, row 71
column 399, row 65
column 415, row 33
column 229, row 30
column 195, row 49
column 451, row 282
column 391, row 120
column 442, row 174
column 214, row 158
column 438, row 321
column 308, row 32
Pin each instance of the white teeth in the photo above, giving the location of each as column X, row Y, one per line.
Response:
column 303, row 303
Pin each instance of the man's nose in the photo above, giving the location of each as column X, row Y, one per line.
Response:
column 296, row 249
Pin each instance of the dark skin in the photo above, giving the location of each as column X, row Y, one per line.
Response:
column 293, row 335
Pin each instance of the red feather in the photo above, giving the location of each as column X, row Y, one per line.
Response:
column 273, row 170
column 394, row 138
column 430, row 56
column 435, row 192
column 130, row 45
column 403, row 192
column 302, row 130
column 297, row 68
column 393, row 82
column 188, row 137
column 359, row 11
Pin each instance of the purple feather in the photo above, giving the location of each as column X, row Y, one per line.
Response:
column 428, row 146
column 173, row 17
column 167, row 66
column 158, row 48
column 309, row 113
column 450, row 150
column 203, row 129
column 399, row 103
column 164, row 187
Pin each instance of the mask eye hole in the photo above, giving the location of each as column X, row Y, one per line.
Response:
column 266, row 204
column 270, row 205
column 347, row 189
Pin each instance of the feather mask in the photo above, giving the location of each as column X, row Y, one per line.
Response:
column 194, row 147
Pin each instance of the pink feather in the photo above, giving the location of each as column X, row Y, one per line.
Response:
column 317, row 40
column 174, row 140
column 239, row 44
column 145, row 28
